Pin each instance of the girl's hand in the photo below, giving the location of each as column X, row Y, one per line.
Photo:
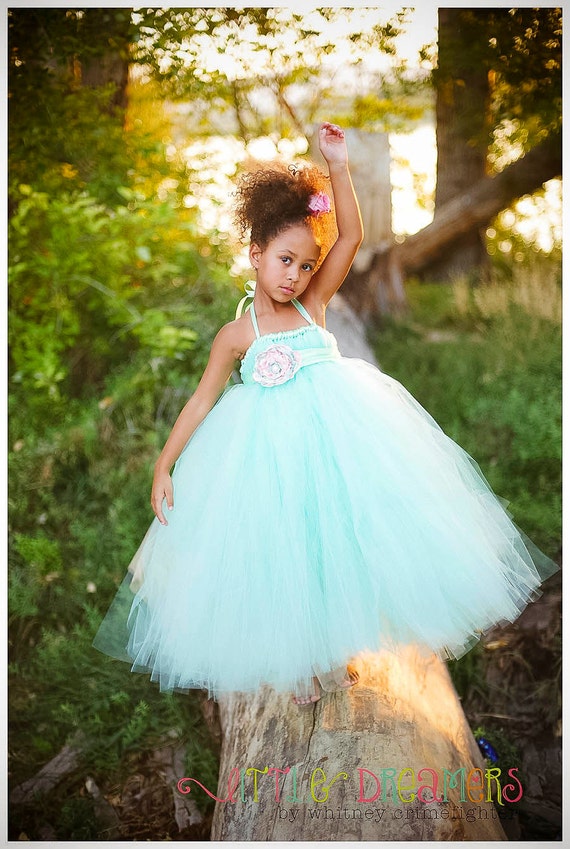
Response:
column 332, row 144
column 161, row 489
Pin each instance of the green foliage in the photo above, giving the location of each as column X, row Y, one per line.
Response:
column 398, row 109
column 533, row 225
column 77, row 820
column 35, row 576
column 507, row 752
column 77, row 313
column 74, row 143
column 75, row 138
column 254, row 72
column 468, row 673
column 486, row 362
column 65, row 34
column 526, row 56
column 115, row 296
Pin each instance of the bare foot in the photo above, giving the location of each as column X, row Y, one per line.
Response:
column 303, row 701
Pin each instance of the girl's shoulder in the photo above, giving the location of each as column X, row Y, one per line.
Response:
column 237, row 336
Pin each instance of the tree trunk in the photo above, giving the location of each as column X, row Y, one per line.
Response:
column 341, row 753
column 370, row 169
column 110, row 30
column 110, row 68
column 462, row 96
column 378, row 289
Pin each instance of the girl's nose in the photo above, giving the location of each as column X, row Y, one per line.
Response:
column 293, row 273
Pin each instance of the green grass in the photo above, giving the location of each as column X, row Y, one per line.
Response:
column 68, row 692
column 486, row 363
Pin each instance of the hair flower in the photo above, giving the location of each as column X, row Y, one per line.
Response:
column 319, row 204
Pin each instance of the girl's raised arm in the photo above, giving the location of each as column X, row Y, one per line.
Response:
column 225, row 351
column 337, row 263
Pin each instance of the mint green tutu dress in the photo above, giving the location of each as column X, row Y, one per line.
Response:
column 319, row 511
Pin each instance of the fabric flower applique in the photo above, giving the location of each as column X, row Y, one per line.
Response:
column 276, row 365
column 319, row 204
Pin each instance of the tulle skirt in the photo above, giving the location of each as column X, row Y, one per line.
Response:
column 312, row 521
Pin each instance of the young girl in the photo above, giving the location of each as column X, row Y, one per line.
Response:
column 316, row 510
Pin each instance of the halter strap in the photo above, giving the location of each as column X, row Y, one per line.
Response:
column 254, row 320
column 302, row 310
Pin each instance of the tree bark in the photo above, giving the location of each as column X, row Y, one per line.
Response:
column 462, row 96
column 110, row 68
column 370, row 170
column 462, row 101
column 110, row 30
column 50, row 775
column 402, row 716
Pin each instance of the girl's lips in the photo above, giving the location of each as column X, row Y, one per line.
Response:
column 287, row 289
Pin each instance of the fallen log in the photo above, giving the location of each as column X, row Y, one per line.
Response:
column 169, row 763
column 109, row 825
column 59, row 767
column 479, row 205
column 378, row 287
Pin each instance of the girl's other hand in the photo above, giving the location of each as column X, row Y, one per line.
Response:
column 161, row 489
column 332, row 144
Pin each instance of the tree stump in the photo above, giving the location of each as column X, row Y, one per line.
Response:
column 353, row 745
column 349, row 330
column 341, row 758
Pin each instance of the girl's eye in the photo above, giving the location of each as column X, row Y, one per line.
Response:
column 307, row 267
column 286, row 259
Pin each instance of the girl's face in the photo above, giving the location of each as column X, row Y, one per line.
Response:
column 287, row 263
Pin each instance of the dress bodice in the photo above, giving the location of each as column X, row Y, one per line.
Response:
column 275, row 358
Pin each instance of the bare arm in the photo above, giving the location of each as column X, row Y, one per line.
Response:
column 337, row 263
column 223, row 355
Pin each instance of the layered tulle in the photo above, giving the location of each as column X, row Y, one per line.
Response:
column 314, row 519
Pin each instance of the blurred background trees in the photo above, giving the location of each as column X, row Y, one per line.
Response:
column 498, row 96
column 498, row 112
column 125, row 131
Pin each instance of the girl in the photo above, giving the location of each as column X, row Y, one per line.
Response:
column 316, row 509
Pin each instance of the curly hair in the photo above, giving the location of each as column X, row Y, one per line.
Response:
column 273, row 196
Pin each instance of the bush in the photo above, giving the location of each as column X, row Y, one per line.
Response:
column 102, row 284
column 113, row 312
